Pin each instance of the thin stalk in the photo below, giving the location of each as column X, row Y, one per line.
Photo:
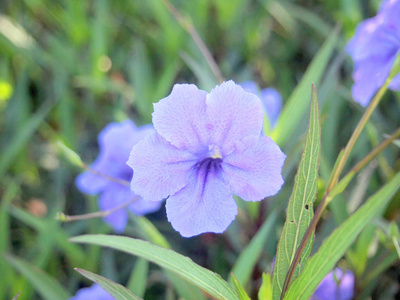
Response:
column 99, row 214
column 117, row 180
column 188, row 26
column 335, row 176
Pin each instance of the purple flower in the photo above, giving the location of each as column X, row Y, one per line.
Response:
column 207, row 146
column 335, row 286
column 270, row 98
column 373, row 48
column 93, row 292
column 115, row 141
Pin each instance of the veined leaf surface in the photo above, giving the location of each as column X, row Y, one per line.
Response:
column 339, row 241
column 299, row 211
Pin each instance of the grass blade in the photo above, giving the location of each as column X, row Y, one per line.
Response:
column 296, row 106
column 46, row 285
column 248, row 257
column 114, row 289
column 208, row 281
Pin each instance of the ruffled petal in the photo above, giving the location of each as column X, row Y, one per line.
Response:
column 204, row 205
column 232, row 114
column 253, row 169
column 160, row 169
column 180, row 117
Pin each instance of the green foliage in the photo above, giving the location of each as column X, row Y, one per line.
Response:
column 210, row 282
column 300, row 207
column 47, row 286
column 68, row 68
column 337, row 243
column 114, row 289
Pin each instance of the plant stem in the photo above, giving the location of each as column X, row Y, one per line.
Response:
column 99, row 214
column 334, row 179
column 117, row 180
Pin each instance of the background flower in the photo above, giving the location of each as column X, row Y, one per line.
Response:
column 373, row 48
column 115, row 142
column 95, row 292
column 270, row 98
column 207, row 146
column 335, row 286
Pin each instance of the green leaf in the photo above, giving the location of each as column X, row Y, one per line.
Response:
column 300, row 207
column 46, row 285
column 208, row 281
column 339, row 241
column 248, row 257
column 137, row 281
column 265, row 292
column 149, row 232
column 114, row 289
column 296, row 106
column 239, row 288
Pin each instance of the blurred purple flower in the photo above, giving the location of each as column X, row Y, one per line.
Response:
column 116, row 141
column 270, row 98
column 373, row 48
column 335, row 286
column 207, row 146
column 93, row 292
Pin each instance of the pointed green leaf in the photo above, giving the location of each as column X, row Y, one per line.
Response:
column 299, row 212
column 339, row 241
column 208, row 281
column 114, row 289
column 149, row 232
column 265, row 292
column 248, row 257
column 296, row 106
column 43, row 283
column 138, row 280
column 239, row 288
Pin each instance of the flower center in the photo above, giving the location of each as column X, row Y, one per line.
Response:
column 214, row 152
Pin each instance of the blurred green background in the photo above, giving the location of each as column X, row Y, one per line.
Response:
column 68, row 68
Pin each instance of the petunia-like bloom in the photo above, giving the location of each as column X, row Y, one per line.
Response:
column 373, row 48
column 270, row 98
column 207, row 146
column 335, row 286
column 116, row 141
column 93, row 292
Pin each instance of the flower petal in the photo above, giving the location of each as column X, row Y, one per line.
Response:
column 335, row 285
column 90, row 183
column 253, row 169
column 204, row 205
column 115, row 141
column 232, row 114
column 159, row 168
column 272, row 101
column 180, row 117
column 368, row 76
column 111, row 198
column 250, row 87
